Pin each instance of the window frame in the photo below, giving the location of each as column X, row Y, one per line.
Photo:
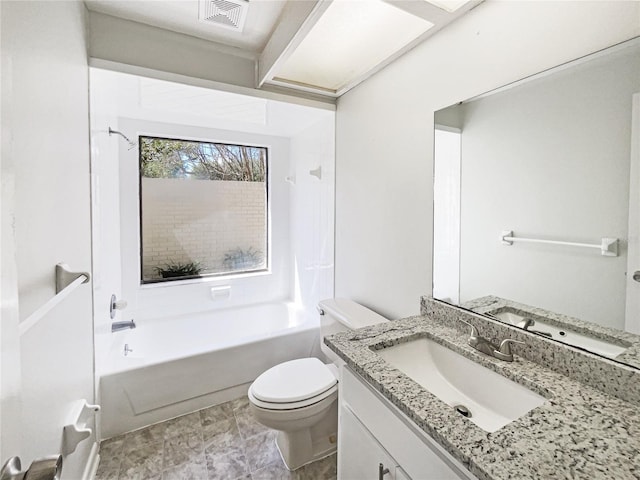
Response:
column 207, row 276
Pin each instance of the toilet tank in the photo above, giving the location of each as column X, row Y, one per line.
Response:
column 341, row 315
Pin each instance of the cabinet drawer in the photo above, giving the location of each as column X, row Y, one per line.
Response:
column 419, row 455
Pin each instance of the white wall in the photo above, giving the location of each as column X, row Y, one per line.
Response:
column 10, row 441
column 384, row 136
column 550, row 159
column 45, row 69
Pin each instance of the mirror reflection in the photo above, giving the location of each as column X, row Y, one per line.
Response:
column 537, row 203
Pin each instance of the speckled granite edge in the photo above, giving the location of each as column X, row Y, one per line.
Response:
column 606, row 375
column 492, row 305
column 578, row 432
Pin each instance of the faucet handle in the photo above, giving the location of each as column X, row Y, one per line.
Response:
column 504, row 350
column 474, row 331
column 505, row 345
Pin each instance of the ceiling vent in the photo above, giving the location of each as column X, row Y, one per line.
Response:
column 230, row 14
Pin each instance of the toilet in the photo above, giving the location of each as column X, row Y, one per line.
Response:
column 299, row 397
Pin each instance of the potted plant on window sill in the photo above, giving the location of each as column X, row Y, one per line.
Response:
column 173, row 270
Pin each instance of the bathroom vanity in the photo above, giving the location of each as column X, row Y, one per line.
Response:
column 393, row 427
column 378, row 441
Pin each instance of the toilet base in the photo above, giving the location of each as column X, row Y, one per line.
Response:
column 301, row 447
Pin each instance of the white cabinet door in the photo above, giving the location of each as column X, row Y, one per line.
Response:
column 359, row 453
column 419, row 455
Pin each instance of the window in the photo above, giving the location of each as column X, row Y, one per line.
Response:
column 203, row 209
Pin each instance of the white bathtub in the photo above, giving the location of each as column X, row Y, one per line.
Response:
column 184, row 363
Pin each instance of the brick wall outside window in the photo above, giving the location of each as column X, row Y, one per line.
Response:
column 186, row 220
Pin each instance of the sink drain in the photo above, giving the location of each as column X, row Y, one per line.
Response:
column 462, row 410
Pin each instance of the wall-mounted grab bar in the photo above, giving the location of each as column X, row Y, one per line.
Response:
column 66, row 282
column 607, row 246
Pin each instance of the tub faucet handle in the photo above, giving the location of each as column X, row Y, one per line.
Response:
column 116, row 304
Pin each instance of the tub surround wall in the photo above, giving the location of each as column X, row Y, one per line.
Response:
column 300, row 240
column 579, row 432
column 169, row 298
column 606, row 375
column 105, row 195
column 300, row 139
column 311, row 208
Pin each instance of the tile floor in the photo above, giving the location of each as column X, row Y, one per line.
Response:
column 222, row 442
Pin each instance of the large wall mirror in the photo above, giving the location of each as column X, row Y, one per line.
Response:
column 537, row 203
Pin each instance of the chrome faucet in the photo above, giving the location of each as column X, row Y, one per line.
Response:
column 117, row 326
column 501, row 352
column 479, row 343
column 529, row 322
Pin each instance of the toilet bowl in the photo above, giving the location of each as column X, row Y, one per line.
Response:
column 298, row 398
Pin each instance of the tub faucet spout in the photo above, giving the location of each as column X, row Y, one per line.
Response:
column 117, row 326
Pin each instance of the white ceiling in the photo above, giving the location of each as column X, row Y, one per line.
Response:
column 275, row 35
column 182, row 16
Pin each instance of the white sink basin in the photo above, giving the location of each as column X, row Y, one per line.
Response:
column 493, row 400
column 565, row 335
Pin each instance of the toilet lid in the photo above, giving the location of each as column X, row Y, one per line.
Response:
column 293, row 381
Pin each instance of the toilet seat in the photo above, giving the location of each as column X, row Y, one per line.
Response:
column 294, row 384
column 293, row 405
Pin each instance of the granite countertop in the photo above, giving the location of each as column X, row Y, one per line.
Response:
column 578, row 433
